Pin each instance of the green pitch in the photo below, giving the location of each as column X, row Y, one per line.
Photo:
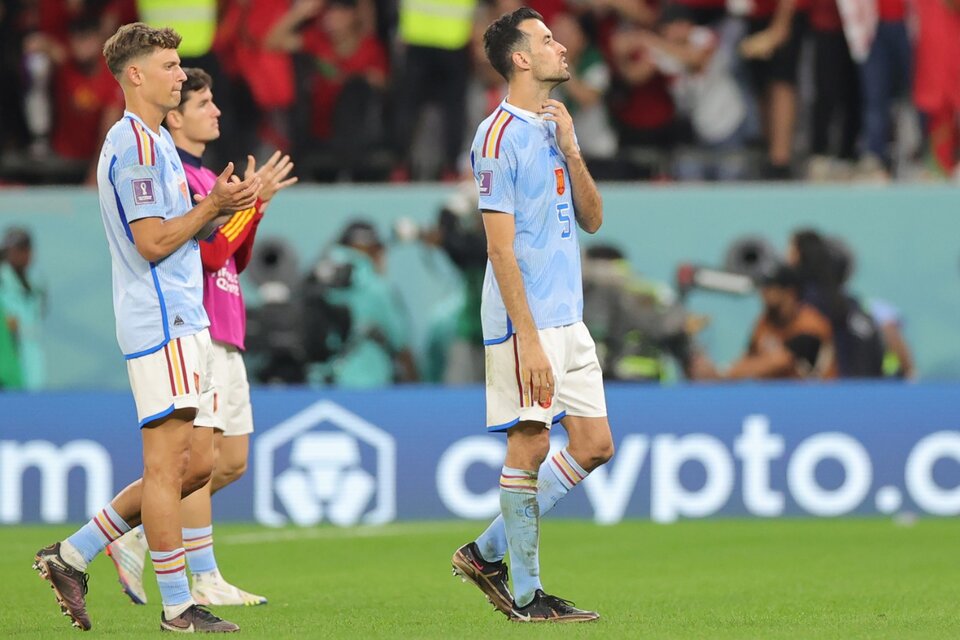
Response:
column 705, row 579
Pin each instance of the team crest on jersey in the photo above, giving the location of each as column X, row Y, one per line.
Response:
column 143, row 191
column 184, row 190
column 561, row 183
column 486, row 183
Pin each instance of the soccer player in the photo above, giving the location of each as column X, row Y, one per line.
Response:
column 161, row 327
column 541, row 362
column 226, row 253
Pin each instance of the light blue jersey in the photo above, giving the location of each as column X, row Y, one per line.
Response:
column 140, row 176
column 521, row 171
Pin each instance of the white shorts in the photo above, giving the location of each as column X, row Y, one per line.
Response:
column 233, row 390
column 577, row 380
column 178, row 376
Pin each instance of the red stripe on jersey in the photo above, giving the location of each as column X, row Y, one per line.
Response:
column 486, row 138
column 496, row 152
column 183, row 368
column 153, row 151
column 173, row 382
column 136, row 136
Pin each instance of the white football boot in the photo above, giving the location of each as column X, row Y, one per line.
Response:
column 128, row 553
column 211, row 589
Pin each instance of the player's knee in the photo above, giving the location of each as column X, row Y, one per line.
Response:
column 602, row 453
column 230, row 471
column 198, row 472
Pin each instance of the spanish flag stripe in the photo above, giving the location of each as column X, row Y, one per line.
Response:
column 486, row 138
column 183, row 368
column 175, row 357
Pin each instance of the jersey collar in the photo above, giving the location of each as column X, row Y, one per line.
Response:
column 133, row 116
column 523, row 114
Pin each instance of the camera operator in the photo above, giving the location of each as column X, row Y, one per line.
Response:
column 372, row 349
column 638, row 324
column 459, row 233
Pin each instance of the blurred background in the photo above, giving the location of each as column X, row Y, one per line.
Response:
column 762, row 162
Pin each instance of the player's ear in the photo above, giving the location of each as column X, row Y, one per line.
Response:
column 521, row 59
column 133, row 75
column 174, row 119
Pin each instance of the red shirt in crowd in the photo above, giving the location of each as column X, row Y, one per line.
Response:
column 891, row 10
column 80, row 101
column 825, row 16
column 332, row 70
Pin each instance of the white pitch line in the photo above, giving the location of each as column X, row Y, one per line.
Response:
column 330, row 533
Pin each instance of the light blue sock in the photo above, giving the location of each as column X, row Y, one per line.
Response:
column 171, row 570
column 521, row 520
column 101, row 530
column 199, row 546
column 558, row 474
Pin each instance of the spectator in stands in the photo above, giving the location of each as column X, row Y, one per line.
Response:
column 14, row 134
column 824, row 267
column 434, row 65
column 836, row 97
column 640, row 102
column 791, row 339
column 263, row 81
column 86, row 98
column 884, row 75
column 23, row 301
column 699, row 62
column 937, row 82
column 376, row 351
column 349, row 78
column 584, row 93
column 772, row 51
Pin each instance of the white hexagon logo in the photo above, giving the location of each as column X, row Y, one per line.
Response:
column 324, row 477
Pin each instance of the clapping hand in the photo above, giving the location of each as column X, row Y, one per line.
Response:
column 273, row 174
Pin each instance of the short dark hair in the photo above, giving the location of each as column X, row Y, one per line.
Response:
column 785, row 277
column 136, row 39
column 197, row 80
column 503, row 37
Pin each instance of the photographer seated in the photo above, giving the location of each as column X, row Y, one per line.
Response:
column 375, row 350
column 791, row 340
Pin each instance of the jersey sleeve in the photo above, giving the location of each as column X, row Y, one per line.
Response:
column 495, row 170
column 138, row 181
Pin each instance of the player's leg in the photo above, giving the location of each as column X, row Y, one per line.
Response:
column 194, row 618
column 231, row 444
column 580, row 393
column 527, row 446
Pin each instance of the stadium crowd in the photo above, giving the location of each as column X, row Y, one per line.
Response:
column 376, row 90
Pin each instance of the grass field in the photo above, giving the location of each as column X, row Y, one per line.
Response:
column 704, row 579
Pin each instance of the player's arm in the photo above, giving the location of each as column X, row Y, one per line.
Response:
column 535, row 371
column 158, row 237
column 587, row 202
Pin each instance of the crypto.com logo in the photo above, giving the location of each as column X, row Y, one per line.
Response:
column 324, row 477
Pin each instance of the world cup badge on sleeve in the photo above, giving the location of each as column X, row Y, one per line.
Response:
column 486, row 183
column 561, row 184
column 143, row 191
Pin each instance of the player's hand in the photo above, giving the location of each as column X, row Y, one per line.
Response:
column 231, row 194
column 556, row 111
column 273, row 174
column 536, row 374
